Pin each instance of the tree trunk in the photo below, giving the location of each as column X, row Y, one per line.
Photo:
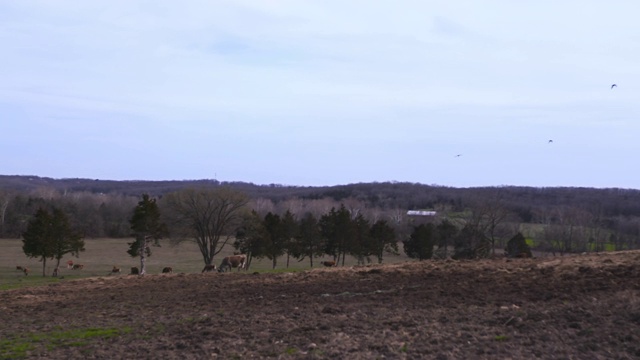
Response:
column 55, row 270
column 143, row 256
column 44, row 266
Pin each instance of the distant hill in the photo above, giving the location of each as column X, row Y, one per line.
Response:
column 523, row 200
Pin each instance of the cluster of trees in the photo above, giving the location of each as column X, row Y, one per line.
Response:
column 49, row 234
column 525, row 201
column 212, row 217
column 337, row 233
column 347, row 218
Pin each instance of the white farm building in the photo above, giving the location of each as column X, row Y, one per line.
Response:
column 421, row 213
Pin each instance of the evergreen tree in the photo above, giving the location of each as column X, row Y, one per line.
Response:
column 65, row 238
column 250, row 236
column 446, row 233
column 360, row 246
column 308, row 239
column 471, row 243
column 420, row 243
column 290, row 230
column 50, row 236
column 518, row 247
column 275, row 241
column 383, row 239
column 337, row 229
column 147, row 229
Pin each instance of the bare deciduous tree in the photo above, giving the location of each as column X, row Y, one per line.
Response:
column 207, row 216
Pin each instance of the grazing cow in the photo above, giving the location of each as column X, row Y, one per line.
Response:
column 210, row 267
column 25, row 270
column 238, row 261
column 135, row 270
column 115, row 270
column 328, row 263
column 77, row 267
column 167, row 270
column 19, row 268
column 70, row 264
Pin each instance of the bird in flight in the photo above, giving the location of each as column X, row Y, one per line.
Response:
column 613, row 85
column 458, row 155
column 550, row 141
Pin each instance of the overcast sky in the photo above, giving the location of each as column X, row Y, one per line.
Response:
column 323, row 92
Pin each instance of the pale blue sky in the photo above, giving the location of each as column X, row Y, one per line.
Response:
column 323, row 92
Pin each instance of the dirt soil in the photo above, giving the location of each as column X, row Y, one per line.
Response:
column 571, row 307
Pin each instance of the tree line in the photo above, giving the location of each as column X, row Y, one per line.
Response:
column 337, row 234
column 558, row 220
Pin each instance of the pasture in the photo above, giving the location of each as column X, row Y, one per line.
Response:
column 102, row 255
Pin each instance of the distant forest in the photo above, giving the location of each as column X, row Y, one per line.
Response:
column 591, row 219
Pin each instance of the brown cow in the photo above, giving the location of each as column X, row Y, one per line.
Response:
column 210, row 267
column 328, row 263
column 115, row 270
column 70, row 264
column 135, row 270
column 25, row 270
column 167, row 270
column 77, row 267
column 238, row 261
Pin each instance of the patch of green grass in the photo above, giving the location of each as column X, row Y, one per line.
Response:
column 102, row 254
column 12, row 349
column 26, row 281
column 501, row 338
column 290, row 351
column 18, row 347
column 530, row 242
column 404, row 348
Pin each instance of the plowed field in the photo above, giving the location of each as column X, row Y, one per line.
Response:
column 580, row 307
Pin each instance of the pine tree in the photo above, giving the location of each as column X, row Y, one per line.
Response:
column 50, row 236
column 383, row 239
column 420, row 243
column 147, row 229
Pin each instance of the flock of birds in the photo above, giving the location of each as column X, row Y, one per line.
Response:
column 550, row 140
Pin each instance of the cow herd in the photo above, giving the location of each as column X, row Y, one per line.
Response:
column 238, row 261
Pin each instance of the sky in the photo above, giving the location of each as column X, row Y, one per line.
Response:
column 323, row 92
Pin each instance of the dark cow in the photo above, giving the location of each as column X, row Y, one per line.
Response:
column 25, row 270
column 167, row 270
column 77, row 267
column 238, row 261
column 135, row 271
column 328, row 263
column 210, row 267
column 19, row 268
column 115, row 270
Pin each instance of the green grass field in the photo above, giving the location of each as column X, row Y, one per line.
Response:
column 102, row 254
